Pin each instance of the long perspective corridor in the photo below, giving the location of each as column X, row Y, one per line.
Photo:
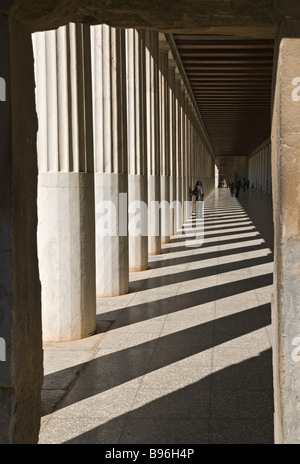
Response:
column 185, row 357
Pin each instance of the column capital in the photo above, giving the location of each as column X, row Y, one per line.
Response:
column 184, row 89
column 178, row 75
column 172, row 63
column 164, row 46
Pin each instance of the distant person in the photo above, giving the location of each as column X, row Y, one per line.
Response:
column 244, row 183
column 199, row 191
column 231, row 186
column 199, row 194
column 237, row 187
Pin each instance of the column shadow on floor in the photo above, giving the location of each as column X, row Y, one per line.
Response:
column 127, row 364
column 145, row 311
column 186, row 276
column 231, row 406
column 196, row 257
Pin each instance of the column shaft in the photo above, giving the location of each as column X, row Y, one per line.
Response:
column 179, row 209
column 111, row 168
column 137, row 151
column 153, row 142
column 172, row 144
column 164, row 139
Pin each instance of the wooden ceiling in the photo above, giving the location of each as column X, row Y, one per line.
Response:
column 231, row 78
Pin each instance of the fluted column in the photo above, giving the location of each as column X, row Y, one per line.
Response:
column 137, row 151
column 188, row 210
column 111, row 169
column 66, row 233
column 172, row 142
column 179, row 209
column 153, row 142
column 193, row 153
column 183, row 149
column 164, row 139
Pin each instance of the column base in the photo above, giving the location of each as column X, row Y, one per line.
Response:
column 154, row 216
column 112, row 261
column 165, row 209
column 66, row 251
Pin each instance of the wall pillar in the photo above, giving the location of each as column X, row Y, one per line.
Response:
column 137, row 150
column 66, row 233
column 21, row 366
column 111, row 169
column 286, row 200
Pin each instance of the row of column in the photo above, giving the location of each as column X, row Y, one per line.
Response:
column 119, row 145
column 260, row 172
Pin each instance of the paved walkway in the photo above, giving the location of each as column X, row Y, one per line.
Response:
column 185, row 357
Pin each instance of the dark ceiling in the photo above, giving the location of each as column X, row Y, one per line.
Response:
column 231, row 78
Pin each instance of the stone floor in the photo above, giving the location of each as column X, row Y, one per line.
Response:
column 185, row 357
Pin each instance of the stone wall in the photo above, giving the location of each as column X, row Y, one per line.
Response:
column 232, row 167
column 260, row 168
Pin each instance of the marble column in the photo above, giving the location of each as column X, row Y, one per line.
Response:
column 188, row 211
column 137, row 150
column 286, row 208
column 172, row 142
column 66, row 231
column 153, row 142
column 184, row 197
column 194, row 154
column 179, row 209
column 164, row 138
column 21, row 366
column 111, row 161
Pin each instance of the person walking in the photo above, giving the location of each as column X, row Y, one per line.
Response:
column 237, row 187
column 231, row 186
column 199, row 194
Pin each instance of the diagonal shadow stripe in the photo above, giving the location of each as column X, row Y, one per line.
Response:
column 201, row 256
column 206, row 244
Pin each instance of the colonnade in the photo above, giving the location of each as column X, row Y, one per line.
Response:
column 260, row 169
column 119, row 144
